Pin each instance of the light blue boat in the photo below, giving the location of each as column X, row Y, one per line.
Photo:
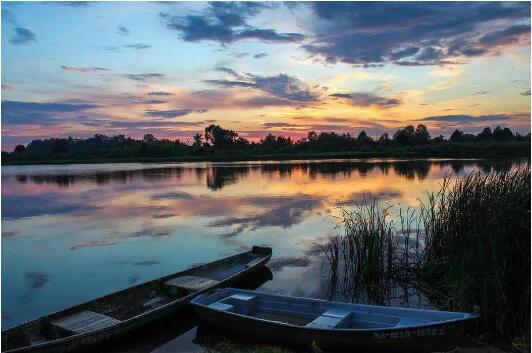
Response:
column 331, row 325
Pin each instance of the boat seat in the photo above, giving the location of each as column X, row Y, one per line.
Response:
column 222, row 307
column 253, row 262
column 83, row 322
column 332, row 318
column 189, row 283
column 242, row 303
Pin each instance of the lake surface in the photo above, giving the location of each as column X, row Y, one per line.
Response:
column 71, row 233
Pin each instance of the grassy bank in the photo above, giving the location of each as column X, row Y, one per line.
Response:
column 476, row 231
column 445, row 150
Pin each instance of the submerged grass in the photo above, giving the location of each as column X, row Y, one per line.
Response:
column 468, row 245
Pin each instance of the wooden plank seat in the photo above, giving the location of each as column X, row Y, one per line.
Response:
column 85, row 321
column 190, row 283
column 222, row 307
column 241, row 303
column 332, row 318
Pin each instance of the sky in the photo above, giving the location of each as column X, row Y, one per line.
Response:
column 173, row 68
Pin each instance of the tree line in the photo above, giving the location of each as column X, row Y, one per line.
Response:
column 215, row 140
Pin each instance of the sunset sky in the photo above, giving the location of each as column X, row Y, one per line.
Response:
column 170, row 69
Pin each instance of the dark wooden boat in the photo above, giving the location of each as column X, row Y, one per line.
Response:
column 130, row 309
column 333, row 326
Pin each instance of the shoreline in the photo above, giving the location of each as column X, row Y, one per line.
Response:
column 231, row 157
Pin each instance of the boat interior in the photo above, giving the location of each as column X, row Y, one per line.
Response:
column 320, row 314
column 129, row 303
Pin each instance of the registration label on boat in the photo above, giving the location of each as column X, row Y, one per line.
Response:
column 418, row 332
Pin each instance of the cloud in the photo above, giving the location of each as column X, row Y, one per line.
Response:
column 365, row 99
column 77, row 4
column 280, row 263
column 92, row 244
column 371, row 34
column 138, row 46
column 505, row 36
column 279, row 124
column 160, row 93
column 7, row 86
column 285, row 212
column 144, row 77
column 280, row 87
column 260, row 55
column 17, row 112
column 172, row 113
column 226, row 22
column 8, row 17
column 123, row 30
column 109, row 48
column 480, row 93
column 525, row 93
column 468, row 119
column 23, row 36
column 150, row 101
column 155, row 124
column 84, row 69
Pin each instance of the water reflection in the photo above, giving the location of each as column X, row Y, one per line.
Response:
column 94, row 229
column 218, row 176
column 170, row 335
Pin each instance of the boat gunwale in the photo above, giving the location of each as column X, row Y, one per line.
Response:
column 29, row 348
column 467, row 316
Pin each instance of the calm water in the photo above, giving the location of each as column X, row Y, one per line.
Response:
column 72, row 233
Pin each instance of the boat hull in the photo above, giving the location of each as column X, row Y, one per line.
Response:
column 87, row 340
column 332, row 326
column 438, row 337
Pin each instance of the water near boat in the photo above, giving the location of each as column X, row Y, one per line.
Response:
column 331, row 325
column 72, row 233
column 131, row 309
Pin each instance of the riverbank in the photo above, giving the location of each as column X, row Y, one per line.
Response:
column 449, row 150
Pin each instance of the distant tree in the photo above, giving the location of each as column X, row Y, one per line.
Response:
column 363, row 139
column 385, row 138
column 20, row 149
column 485, row 134
column 502, row 134
column 422, row 134
column 405, row 136
column 438, row 139
column 148, row 138
column 457, row 136
column 219, row 137
column 312, row 136
column 198, row 140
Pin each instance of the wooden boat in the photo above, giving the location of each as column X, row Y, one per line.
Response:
column 130, row 309
column 332, row 326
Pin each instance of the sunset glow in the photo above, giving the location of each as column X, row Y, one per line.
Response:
column 170, row 69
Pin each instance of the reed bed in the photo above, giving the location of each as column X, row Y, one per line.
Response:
column 469, row 244
column 477, row 248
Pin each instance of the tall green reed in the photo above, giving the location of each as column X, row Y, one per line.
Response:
column 469, row 244
column 478, row 247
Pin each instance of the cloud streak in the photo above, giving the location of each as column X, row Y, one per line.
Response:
column 23, row 36
column 173, row 113
column 84, row 69
column 281, row 87
column 365, row 99
column 17, row 112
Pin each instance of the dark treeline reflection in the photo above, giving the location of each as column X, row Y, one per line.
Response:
column 218, row 176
